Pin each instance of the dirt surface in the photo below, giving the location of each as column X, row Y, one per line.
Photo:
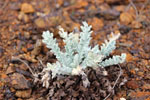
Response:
column 22, row 23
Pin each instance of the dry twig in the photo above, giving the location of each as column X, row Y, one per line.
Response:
column 132, row 4
column 115, row 82
column 16, row 58
column 41, row 62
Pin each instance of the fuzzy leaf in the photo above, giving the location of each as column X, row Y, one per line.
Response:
column 114, row 60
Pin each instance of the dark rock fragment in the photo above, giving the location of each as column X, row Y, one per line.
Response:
column 124, row 29
column 110, row 14
column 1, row 51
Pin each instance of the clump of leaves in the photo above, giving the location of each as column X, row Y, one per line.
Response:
column 78, row 54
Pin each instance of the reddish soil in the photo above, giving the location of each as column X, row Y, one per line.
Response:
column 23, row 21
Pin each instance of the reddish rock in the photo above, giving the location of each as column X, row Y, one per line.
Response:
column 23, row 93
column 132, row 84
column 97, row 24
column 126, row 18
column 18, row 81
column 27, row 8
column 39, row 22
column 10, row 70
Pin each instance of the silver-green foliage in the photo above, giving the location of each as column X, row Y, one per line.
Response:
column 79, row 53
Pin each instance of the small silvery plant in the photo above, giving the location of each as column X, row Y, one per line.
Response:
column 78, row 54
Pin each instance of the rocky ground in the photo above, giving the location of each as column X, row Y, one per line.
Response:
column 22, row 23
